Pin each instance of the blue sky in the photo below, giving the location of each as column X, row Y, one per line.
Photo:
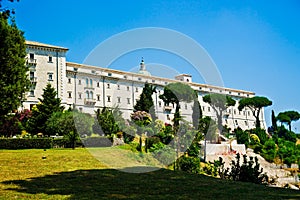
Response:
column 255, row 44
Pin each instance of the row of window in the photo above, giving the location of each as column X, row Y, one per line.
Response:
column 31, row 57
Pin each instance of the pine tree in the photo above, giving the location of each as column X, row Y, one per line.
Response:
column 14, row 81
column 145, row 103
column 197, row 112
column 274, row 120
column 48, row 105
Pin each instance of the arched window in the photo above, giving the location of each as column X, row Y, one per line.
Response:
column 87, row 95
column 87, row 81
column 91, row 82
column 91, row 94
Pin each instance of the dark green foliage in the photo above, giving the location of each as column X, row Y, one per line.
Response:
column 255, row 104
column 269, row 150
column 274, row 121
column 167, row 135
column 242, row 137
column 248, row 171
column 145, row 103
column 219, row 103
column 71, row 125
column 189, row 164
column 48, row 105
column 14, row 80
column 287, row 117
column 285, row 134
column 151, row 141
column 106, row 121
column 288, row 152
column 261, row 133
column 175, row 93
column 197, row 112
column 28, row 143
column 96, row 142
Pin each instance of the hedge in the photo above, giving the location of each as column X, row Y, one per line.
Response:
column 47, row 143
column 25, row 143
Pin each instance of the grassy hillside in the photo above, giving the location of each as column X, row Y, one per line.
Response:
column 76, row 174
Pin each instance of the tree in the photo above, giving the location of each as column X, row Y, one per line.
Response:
column 219, row 103
column 145, row 103
column 288, row 117
column 274, row 120
column 5, row 11
column 106, row 121
column 255, row 104
column 48, row 105
column 14, row 80
column 175, row 93
column 197, row 112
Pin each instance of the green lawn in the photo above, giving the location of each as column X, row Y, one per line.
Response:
column 76, row 174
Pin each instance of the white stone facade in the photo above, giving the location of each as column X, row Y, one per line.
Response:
column 88, row 88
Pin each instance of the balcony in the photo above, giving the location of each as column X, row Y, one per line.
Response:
column 31, row 62
column 89, row 102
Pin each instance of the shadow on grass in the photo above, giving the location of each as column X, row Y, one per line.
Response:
column 160, row 184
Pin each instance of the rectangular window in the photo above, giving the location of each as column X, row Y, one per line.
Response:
column 98, row 84
column 98, row 97
column 234, row 112
column 108, row 99
column 236, row 122
column 139, row 78
column 208, row 108
column 79, row 82
column 31, row 93
column 50, row 77
column 118, row 87
column 185, row 106
column 125, row 77
column 203, row 108
column 109, row 74
column 108, row 86
column 127, row 88
column 50, row 59
column 70, row 94
column 69, row 80
column 136, row 89
column 246, row 123
column 31, row 56
column 80, row 109
column 159, row 104
column 31, row 75
column 153, row 81
column 79, row 95
column 128, row 100
column 119, row 99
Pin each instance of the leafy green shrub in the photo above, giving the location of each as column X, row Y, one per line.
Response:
column 211, row 169
column 248, row 171
column 242, row 137
column 26, row 143
column 151, row 141
column 189, row 164
column 261, row 133
column 96, row 142
column 163, row 153
column 269, row 150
